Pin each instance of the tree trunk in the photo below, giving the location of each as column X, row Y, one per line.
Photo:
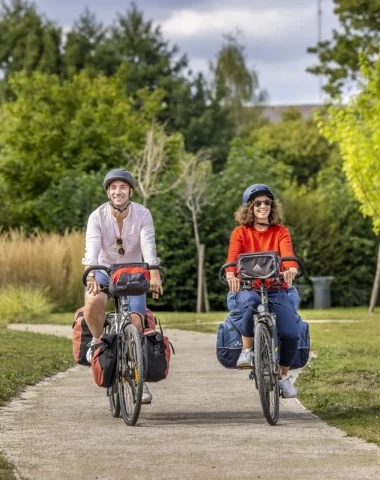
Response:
column 200, row 277
column 376, row 284
column 205, row 292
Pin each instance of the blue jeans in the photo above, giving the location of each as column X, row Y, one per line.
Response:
column 286, row 321
column 136, row 303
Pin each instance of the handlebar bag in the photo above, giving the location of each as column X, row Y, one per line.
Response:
column 129, row 279
column 259, row 265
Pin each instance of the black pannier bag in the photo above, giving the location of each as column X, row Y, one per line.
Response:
column 260, row 265
column 129, row 279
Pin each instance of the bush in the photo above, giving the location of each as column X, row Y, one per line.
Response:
column 46, row 262
column 20, row 304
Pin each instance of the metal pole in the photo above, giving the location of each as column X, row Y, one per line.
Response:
column 319, row 16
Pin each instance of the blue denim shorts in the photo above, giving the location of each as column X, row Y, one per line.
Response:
column 136, row 303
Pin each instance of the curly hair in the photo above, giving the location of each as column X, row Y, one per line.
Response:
column 245, row 215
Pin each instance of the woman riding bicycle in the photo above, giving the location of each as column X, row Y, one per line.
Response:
column 261, row 230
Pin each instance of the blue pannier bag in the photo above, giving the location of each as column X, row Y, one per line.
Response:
column 303, row 347
column 228, row 341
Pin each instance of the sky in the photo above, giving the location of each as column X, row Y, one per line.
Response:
column 276, row 35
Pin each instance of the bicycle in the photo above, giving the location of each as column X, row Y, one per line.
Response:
column 125, row 394
column 265, row 368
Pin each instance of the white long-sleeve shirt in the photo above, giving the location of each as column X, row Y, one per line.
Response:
column 137, row 234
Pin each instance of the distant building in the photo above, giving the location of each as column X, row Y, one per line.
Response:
column 273, row 113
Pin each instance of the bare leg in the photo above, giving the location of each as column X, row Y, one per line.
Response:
column 94, row 312
column 138, row 321
column 247, row 342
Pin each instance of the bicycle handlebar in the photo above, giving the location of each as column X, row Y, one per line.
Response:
column 301, row 273
column 107, row 270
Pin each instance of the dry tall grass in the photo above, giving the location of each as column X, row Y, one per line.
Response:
column 48, row 261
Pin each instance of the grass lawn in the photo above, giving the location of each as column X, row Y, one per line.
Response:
column 25, row 359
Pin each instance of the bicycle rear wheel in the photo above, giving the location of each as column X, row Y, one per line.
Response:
column 132, row 375
column 267, row 380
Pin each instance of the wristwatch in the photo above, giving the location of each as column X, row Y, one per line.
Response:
column 91, row 274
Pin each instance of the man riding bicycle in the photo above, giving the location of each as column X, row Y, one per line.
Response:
column 119, row 231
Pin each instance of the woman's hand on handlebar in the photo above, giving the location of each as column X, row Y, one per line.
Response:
column 156, row 284
column 93, row 286
column 233, row 282
column 289, row 276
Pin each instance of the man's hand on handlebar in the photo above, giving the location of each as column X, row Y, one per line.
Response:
column 93, row 286
column 289, row 275
column 233, row 282
column 156, row 284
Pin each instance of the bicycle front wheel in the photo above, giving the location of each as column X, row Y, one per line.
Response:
column 113, row 394
column 267, row 380
column 132, row 375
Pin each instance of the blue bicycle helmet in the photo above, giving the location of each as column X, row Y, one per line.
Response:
column 255, row 191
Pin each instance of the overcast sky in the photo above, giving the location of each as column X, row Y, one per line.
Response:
column 276, row 34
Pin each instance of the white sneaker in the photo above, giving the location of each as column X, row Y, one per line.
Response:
column 245, row 359
column 91, row 350
column 146, row 396
column 287, row 388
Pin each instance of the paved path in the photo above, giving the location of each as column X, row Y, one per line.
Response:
column 205, row 422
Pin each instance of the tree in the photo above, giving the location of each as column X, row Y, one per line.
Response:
column 53, row 129
column 359, row 33
column 193, row 194
column 27, row 41
column 84, row 47
column 235, row 84
column 294, row 142
column 355, row 128
column 161, row 166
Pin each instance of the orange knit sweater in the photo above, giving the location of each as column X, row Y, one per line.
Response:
column 248, row 239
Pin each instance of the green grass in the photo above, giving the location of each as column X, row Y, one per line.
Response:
column 6, row 469
column 25, row 359
column 342, row 385
column 207, row 322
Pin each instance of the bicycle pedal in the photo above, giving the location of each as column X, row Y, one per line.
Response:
column 245, row 367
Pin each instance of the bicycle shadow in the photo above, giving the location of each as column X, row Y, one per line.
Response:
column 218, row 418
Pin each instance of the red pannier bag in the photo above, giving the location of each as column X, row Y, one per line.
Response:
column 104, row 360
column 81, row 338
column 157, row 350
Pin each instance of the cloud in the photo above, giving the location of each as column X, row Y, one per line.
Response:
column 265, row 24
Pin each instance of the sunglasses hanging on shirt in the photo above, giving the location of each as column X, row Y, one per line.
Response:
column 119, row 243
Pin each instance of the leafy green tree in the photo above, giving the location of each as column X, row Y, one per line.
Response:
column 359, row 32
column 85, row 49
column 331, row 236
column 235, row 84
column 27, row 41
column 355, row 127
column 79, row 125
column 294, row 142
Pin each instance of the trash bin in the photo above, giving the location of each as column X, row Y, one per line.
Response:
column 321, row 287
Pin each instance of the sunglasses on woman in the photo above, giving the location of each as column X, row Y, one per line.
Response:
column 258, row 203
column 119, row 243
